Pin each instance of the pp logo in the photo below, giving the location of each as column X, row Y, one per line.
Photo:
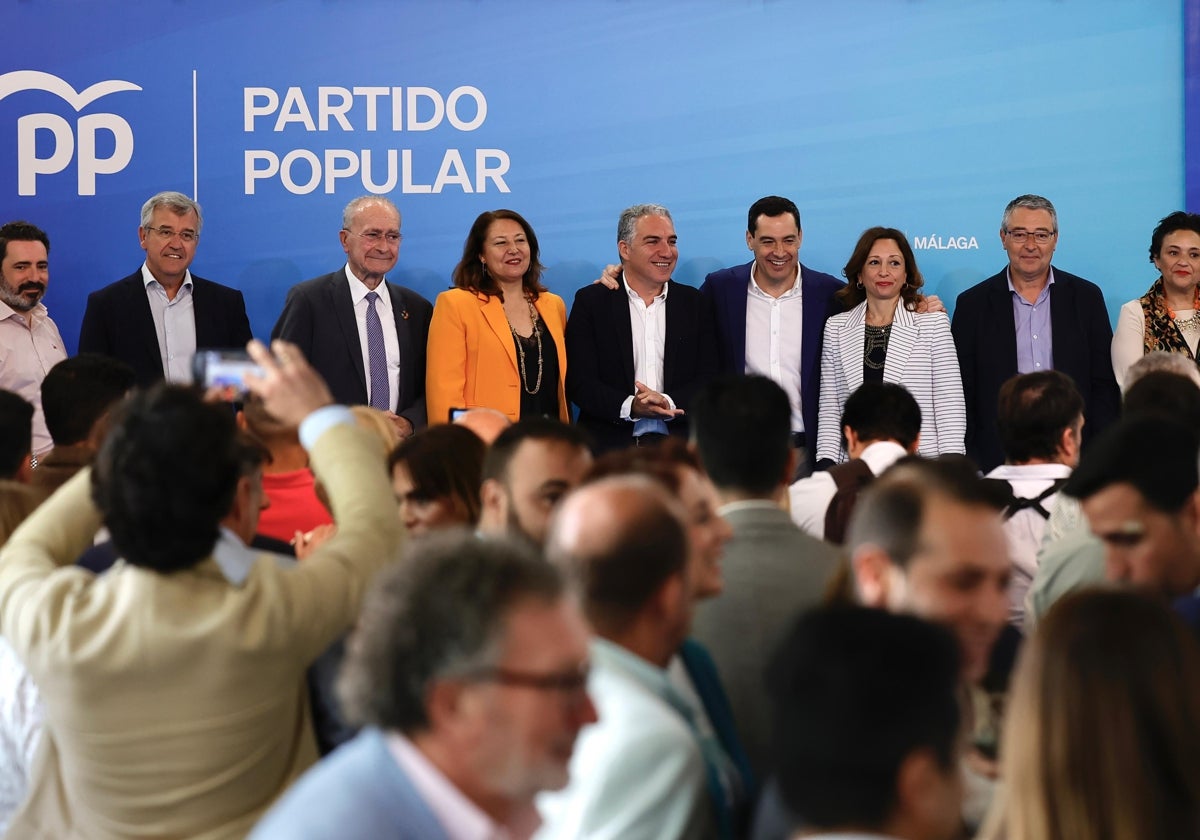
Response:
column 30, row 166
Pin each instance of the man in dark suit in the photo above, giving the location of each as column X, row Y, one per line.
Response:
column 785, row 305
column 334, row 318
column 156, row 318
column 639, row 352
column 1031, row 317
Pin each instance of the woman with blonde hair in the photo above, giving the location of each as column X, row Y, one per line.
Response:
column 1102, row 739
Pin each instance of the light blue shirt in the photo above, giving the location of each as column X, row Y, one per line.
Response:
column 1035, row 345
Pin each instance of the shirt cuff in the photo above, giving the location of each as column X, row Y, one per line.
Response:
column 627, row 408
column 321, row 421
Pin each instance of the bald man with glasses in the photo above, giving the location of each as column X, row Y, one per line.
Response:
column 156, row 318
column 364, row 333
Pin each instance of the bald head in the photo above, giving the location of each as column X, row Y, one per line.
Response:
column 620, row 539
column 486, row 423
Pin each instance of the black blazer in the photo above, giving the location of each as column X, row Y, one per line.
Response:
column 318, row 316
column 985, row 335
column 600, row 372
column 118, row 323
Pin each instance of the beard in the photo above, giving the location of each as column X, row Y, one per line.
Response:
column 16, row 299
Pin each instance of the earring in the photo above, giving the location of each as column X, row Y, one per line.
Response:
column 859, row 284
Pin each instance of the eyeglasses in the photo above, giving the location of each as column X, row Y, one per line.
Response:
column 166, row 234
column 565, row 682
column 376, row 236
column 1041, row 237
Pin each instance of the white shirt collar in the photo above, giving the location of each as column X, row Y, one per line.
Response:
column 747, row 504
column 634, row 296
column 755, row 289
column 148, row 278
column 359, row 290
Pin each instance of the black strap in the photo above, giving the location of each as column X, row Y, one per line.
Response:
column 1020, row 503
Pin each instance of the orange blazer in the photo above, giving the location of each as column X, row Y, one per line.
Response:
column 471, row 360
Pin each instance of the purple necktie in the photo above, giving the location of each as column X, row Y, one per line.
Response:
column 377, row 358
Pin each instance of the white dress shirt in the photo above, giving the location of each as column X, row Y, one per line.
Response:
column 1025, row 529
column 174, row 326
column 649, row 327
column 387, row 319
column 773, row 339
column 28, row 349
column 810, row 497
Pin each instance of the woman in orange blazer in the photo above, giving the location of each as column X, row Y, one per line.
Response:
column 496, row 339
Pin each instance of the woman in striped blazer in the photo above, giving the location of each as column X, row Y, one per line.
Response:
column 883, row 338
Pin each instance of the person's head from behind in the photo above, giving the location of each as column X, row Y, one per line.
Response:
column 165, row 476
column 1161, row 360
column 1109, row 685
column 1165, row 393
column 742, row 426
column 1140, row 498
column 880, row 411
column 677, row 469
column 78, row 393
column 1040, row 419
column 622, row 541
column 486, row 423
column 925, row 538
column 272, row 432
column 436, row 475
column 526, row 472
column 473, row 650
column 868, row 725
column 16, row 437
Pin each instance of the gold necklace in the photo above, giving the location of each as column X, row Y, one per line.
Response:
column 537, row 333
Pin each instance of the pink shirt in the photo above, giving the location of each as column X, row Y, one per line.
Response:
column 28, row 349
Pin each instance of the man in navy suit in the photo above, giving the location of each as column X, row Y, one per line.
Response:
column 470, row 668
column 156, row 318
column 771, row 313
column 638, row 352
column 1031, row 317
column 329, row 318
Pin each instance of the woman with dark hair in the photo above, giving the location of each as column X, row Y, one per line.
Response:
column 1167, row 317
column 884, row 337
column 436, row 475
column 496, row 340
column 1102, row 737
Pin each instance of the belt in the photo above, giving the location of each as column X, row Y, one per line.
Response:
column 799, row 440
column 649, row 439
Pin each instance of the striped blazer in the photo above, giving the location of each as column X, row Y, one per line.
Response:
column 920, row 356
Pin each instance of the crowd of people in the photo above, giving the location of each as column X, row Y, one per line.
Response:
column 781, row 556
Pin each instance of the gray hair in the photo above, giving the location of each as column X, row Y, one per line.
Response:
column 1029, row 202
column 1160, row 360
column 438, row 614
column 362, row 201
column 888, row 515
column 630, row 216
column 176, row 202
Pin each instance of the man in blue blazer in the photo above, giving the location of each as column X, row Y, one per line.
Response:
column 638, row 352
column 783, row 306
column 1030, row 317
column 156, row 318
column 327, row 318
column 469, row 667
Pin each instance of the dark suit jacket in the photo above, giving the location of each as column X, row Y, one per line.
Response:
column 318, row 316
column 600, row 371
column 118, row 323
column 985, row 335
column 728, row 288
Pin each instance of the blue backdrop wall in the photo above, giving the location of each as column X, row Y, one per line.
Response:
column 928, row 116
